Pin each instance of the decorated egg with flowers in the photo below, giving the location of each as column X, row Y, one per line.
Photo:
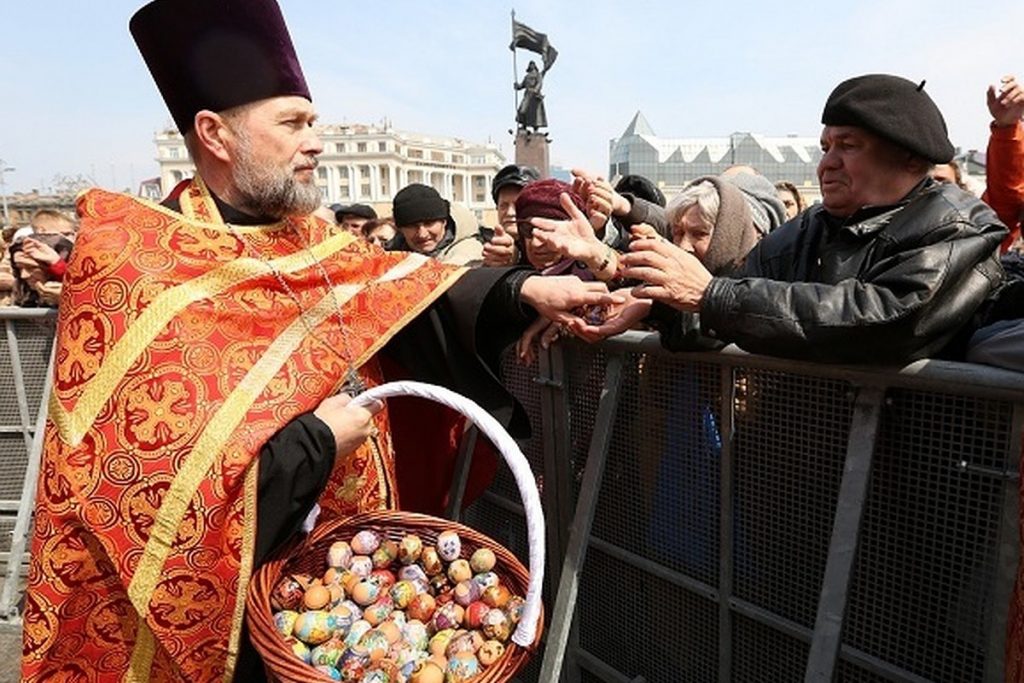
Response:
column 449, row 546
column 365, row 542
column 462, row 667
column 284, row 621
column 313, row 627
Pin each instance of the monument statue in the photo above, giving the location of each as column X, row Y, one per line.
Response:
column 532, row 143
column 531, row 109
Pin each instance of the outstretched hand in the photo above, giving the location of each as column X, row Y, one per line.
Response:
column 1007, row 104
column 670, row 274
column 558, row 297
column 573, row 238
column 621, row 317
column 601, row 199
column 542, row 330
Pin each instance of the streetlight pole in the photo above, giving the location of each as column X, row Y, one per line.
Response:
column 4, row 168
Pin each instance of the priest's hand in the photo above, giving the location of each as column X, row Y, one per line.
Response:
column 558, row 297
column 351, row 426
column 669, row 274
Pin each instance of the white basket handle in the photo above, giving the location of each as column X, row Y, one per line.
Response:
column 509, row 449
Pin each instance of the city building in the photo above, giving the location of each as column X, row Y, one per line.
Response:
column 368, row 164
column 21, row 206
column 673, row 162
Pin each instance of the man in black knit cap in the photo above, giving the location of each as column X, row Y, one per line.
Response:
column 890, row 267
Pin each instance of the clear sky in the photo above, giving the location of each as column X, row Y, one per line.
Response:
column 77, row 98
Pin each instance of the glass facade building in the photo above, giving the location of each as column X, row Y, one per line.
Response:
column 673, row 162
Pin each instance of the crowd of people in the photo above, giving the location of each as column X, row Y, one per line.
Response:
column 208, row 347
column 873, row 169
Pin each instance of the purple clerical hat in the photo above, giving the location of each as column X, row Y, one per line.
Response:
column 216, row 54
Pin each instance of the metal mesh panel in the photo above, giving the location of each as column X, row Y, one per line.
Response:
column 520, row 382
column 644, row 626
column 6, row 533
column 13, row 463
column 790, row 444
column 922, row 592
column 531, row 672
column 660, row 494
column 763, row 655
column 9, row 414
column 585, row 376
column 850, row 673
column 34, row 340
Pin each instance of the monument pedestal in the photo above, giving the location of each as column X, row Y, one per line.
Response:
column 532, row 150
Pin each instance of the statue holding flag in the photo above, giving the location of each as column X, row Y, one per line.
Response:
column 530, row 112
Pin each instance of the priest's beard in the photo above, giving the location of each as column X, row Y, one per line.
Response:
column 269, row 191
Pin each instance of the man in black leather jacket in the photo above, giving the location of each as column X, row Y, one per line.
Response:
column 889, row 268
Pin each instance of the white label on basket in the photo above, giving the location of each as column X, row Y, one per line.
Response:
column 310, row 521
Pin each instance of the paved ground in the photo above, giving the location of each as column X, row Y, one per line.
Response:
column 10, row 652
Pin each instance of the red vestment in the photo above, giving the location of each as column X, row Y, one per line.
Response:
column 179, row 353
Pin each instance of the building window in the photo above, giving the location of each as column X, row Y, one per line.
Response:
column 364, row 190
column 321, row 173
column 343, row 191
column 339, row 147
column 437, row 156
column 364, row 171
column 382, row 146
column 415, row 153
column 458, row 159
column 343, row 172
column 361, row 147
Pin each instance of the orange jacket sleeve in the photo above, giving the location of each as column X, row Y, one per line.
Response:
column 1004, row 174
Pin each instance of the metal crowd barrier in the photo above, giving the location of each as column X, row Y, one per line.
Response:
column 728, row 517
column 25, row 372
column 716, row 516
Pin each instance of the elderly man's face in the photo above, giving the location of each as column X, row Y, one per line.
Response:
column 507, row 208
column 274, row 157
column 424, row 236
column 860, row 169
column 354, row 224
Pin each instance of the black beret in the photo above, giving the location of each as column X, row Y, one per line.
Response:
column 217, row 54
column 359, row 210
column 416, row 203
column 893, row 108
column 641, row 187
column 515, row 176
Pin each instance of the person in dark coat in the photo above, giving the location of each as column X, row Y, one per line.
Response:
column 890, row 267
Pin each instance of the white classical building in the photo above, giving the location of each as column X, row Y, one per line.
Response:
column 369, row 164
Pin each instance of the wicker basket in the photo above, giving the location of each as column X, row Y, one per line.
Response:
column 307, row 555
